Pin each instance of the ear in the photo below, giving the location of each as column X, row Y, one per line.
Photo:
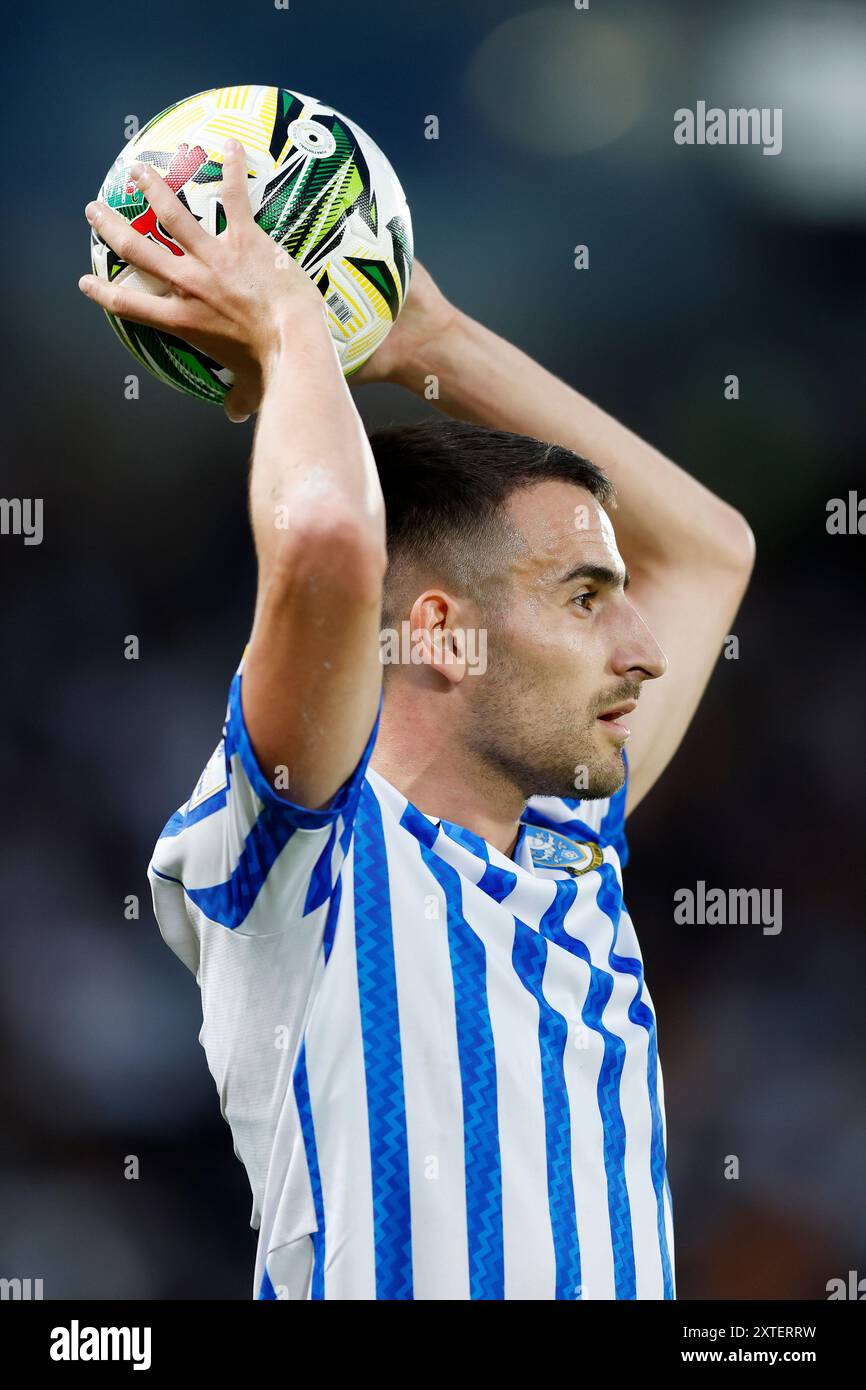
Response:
column 438, row 640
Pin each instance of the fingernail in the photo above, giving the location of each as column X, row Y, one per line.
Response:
column 136, row 171
column 232, row 146
column 91, row 212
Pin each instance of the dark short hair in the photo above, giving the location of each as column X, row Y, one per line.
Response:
column 445, row 483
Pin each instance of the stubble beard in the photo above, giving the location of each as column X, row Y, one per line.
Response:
column 545, row 756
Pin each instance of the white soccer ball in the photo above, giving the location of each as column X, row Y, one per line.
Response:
column 318, row 185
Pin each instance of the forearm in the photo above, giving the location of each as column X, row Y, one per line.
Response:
column 662, row 515
column 312, row 675
column 312, row 464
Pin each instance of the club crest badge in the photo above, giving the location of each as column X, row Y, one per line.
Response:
column 550, row 850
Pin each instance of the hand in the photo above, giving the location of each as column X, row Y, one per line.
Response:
column 229, row 295
column 425, row 317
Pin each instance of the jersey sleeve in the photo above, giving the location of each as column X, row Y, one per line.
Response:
column 240, row 857
column 603, row 818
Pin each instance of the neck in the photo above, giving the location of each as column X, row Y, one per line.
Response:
column 417, row 752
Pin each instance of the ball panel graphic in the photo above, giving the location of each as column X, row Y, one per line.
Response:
column 318, row 185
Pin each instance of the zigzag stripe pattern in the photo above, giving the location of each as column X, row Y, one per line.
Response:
column 321, row 884
column 301, row 1086
column 610, row 901
column 482, row 1159
column 496, row 882
column 181, row 820
column 610, row 1074
column 331, row 919
column 231, row 902
column 529, row 958
column 383, row 1060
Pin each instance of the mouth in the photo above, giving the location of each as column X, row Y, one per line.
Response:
column 611, row 718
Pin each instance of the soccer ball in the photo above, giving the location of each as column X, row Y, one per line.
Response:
column 318, row 185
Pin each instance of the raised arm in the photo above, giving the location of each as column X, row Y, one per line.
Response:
column 312, row 676
column 689, row 553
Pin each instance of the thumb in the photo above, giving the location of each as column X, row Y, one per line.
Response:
column 239, row 404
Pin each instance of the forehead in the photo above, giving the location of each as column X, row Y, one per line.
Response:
column 561, row 525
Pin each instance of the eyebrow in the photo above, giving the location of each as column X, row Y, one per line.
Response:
column 600, row 574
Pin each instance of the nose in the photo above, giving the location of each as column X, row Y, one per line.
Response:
column 638, row 654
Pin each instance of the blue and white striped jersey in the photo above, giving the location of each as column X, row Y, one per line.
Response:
column 439, row 1064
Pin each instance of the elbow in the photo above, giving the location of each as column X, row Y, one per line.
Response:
column 735, row 541
column 330, row 548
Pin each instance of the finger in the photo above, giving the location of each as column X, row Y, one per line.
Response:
column 153, row 310
column 177, row 220
column 239, row 403
column 129, row 244
column 236, row 198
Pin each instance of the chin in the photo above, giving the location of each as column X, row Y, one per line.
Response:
column 606, row 776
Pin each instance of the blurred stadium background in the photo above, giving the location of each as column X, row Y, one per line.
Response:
column 556, row 128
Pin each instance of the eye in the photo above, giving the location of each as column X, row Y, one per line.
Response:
column 580, row 599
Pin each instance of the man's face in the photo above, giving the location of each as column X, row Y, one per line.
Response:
column 566, row 648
